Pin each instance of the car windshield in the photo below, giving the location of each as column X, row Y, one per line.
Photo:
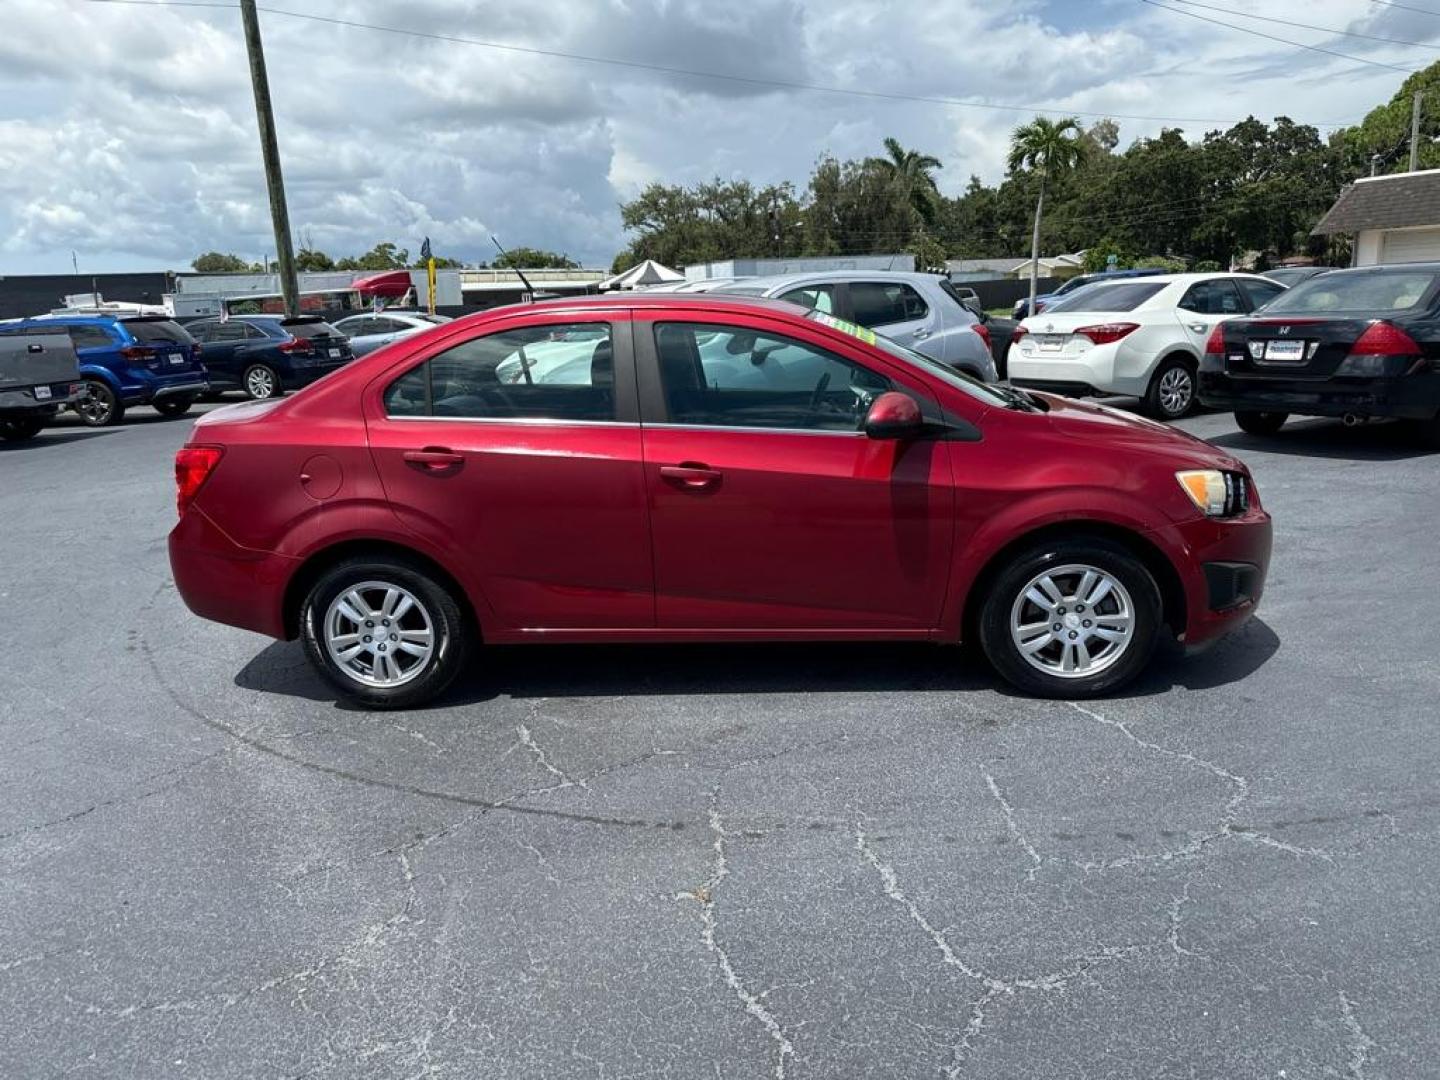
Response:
column 1108, row 296
column 990, row 395
column 150, row 331
column 1356, row 292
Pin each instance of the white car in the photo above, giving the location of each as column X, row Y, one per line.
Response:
column 369, row 332
column 1140, row 337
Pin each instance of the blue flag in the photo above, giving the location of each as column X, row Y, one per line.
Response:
column 425, row 250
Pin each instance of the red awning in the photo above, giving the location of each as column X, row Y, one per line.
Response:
column 389, row 285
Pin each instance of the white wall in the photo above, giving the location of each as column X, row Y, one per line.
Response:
column 1367, row 248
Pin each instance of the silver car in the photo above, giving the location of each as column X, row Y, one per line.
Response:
column 921, row 311
column 368, row 332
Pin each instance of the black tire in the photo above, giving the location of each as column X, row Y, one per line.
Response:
column 178, row 405
column 20, row 430
column 1011, row 584
column 451, row 642
column 1261, row 423
column 99, row 406
column 261, row 382
column 1171, row 394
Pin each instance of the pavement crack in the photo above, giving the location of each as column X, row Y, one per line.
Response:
column 562, row 778
column 1176, row 904
column 753, row 1003
column 1358, row 1043
column 1016, row 833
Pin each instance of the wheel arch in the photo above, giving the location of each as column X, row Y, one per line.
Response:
column 317, row 562
column 1167, row 578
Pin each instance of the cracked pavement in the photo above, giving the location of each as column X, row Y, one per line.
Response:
column 763, row 861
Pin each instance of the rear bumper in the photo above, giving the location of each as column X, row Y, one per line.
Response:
column 222, row 581
column 23, row 399
column 1410, row 397
column 198, row 387
column 156, row 388
column 1222, row 565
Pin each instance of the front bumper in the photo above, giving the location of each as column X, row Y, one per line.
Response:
column 1409, row 397
column 222, row 581
column 1222, row 564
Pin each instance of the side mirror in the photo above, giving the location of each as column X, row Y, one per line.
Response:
column 893, row 415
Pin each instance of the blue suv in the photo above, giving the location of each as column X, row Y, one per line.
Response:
column 129, row 360
column 265, row 355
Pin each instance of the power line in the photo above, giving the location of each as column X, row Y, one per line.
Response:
column 1308, row 26
column 1282, row 41
column 1406, row 7
column 693, row 73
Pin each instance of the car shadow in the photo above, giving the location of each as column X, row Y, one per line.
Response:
column 1325, row 438
column 534, row 671
column 51, row 437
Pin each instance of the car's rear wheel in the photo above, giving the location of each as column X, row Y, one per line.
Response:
column 98, row 405
column 384, row 632
column 177, row 405
column 1071, row 618
column 1261, row 423
column 20, row 430
column 1172, row 390
column 261, row 382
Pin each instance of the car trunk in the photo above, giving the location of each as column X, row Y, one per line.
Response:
column 325, row 342
column 1052, row 336
column 1299, row 348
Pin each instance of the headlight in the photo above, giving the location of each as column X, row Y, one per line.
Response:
column 1216, row 493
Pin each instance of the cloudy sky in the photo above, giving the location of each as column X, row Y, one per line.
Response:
column 127, row 131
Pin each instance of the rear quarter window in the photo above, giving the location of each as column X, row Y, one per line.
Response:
column 157, row 331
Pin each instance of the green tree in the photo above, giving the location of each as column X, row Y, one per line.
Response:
column 910, row 171
column 308, row 258
column 214, row 262
column 383, row 256
column 528, row 258
column 1047, row 148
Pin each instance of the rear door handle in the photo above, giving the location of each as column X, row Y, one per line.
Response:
column 920, row 335
column 434, row 459
column 690, row 475
column 1198, row 327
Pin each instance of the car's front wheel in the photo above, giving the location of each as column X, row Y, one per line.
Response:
column 384, row 632
column 177, row 405
column 261, row 382
column 98, row 405
column 1071, row 618
column 1172, row 390
column 1261, row 423
column 20, row 430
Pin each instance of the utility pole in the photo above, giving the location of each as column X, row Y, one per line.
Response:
column 270, row 151
column 1415, row 132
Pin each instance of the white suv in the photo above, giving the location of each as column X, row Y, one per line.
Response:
column 1141, row 337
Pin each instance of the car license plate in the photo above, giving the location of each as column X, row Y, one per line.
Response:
column 1050, row 342
column 42, row 393
column 335, row 354
column 176, row 359
column 1285, row 350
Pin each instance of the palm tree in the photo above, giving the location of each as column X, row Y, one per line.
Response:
column 911, row 170
column 1048, row 147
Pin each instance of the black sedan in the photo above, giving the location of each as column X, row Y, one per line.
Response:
column 1356, row 344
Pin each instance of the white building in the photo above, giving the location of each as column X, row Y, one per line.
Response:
column 1394, row 219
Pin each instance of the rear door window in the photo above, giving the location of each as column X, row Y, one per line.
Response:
column 553, row 372
column 90, row 337
column 1218, row 296
column 883, row 303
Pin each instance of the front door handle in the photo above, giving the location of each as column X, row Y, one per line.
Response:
column 434, row 459
column 689, row 474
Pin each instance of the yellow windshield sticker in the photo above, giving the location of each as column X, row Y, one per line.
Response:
column 867, row 336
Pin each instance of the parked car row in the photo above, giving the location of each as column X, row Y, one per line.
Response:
column 103, row 364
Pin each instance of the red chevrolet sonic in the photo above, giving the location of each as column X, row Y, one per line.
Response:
column 691, row 467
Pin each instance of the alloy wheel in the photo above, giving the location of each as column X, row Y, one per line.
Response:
column 94, row 409
column 1072, row 621
column 379, row 634
column 1177, row 389
column 260, row 383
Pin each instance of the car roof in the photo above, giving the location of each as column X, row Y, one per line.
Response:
column 775, row 281
column 706, row 301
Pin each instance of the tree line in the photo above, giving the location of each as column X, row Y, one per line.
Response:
column 1253, row 187
column 383, row 256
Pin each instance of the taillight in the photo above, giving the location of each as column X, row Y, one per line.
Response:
column 1384, row 339
column 138, row 352
column 984, row 332
column 296, row 345
column 1018, row 333
column 1215, row 343
column 1105, row 333
column 193, row 466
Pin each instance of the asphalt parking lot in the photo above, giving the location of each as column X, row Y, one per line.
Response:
column 764, row 861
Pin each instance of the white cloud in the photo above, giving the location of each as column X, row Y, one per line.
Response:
column 128, row 133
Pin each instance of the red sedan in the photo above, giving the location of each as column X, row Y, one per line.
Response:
column 691, row 467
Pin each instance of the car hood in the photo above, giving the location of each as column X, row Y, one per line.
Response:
column 1082, row 420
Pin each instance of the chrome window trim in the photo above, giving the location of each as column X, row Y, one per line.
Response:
column 530, row 421
column 756, row 430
